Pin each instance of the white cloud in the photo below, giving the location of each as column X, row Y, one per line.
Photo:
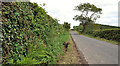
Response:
column 63, row 10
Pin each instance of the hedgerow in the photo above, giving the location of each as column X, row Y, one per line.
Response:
column 109, row 34
column 102, row 31
column 99, row 27
column 30, row 35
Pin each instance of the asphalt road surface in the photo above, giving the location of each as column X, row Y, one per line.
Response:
column 96, row 51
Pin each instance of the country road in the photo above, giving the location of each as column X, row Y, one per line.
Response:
column 96, row 51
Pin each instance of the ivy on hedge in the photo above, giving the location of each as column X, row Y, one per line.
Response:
column 30, row 36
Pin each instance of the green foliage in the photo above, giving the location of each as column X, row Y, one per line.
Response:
column 78, row 28
column 30, row 36
column 99, row 27
column 94, row 27
column 103, row 31
column 108, row 34
column 85, row 8
column 66, row 26
column 89, row 14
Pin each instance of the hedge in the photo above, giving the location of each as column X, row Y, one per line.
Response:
column 30, row 35
column 109, row 34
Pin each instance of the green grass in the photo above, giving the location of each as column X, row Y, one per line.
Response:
column 70, row 42
column 71, row 55
column 102, row 39
column 77, row 32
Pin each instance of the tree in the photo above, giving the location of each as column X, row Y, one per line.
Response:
column 89, row 14
column 66, row 25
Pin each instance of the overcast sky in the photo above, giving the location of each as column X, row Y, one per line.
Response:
column 63, row 10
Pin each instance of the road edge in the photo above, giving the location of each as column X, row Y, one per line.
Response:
column 80, row 53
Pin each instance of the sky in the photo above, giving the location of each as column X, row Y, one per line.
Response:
column 63, row 10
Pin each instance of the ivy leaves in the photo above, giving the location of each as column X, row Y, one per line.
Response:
column 30, row 34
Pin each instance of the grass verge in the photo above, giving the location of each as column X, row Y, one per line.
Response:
column 102, row 39
column 71, row 56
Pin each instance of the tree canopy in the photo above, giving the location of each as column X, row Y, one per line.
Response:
column 66, row 25
column 89, row 13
